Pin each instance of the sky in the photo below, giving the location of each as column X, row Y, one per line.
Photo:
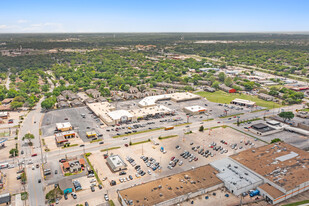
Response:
column 54, row 16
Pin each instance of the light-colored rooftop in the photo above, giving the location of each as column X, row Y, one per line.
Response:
column 151, row 100
column 235, row 175
column 64, row 133
column 117, row 114
column 142, row 112
column 195, row 108
column 244, row 101
column 63, row 125
column 115, row 161
column 266, row 161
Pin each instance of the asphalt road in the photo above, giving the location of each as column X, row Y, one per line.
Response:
column 32, row 124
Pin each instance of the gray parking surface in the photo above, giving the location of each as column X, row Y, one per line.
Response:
column 73, row 115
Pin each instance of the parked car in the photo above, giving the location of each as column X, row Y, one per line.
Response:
column 74, row 195
column 106, row 197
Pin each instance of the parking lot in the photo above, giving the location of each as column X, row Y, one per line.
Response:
column 148, row 156
column 73, row 115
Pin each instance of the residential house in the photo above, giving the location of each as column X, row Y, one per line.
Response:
column 133, row 90
column 93, row 92
column 61, row 98
column 226, row 88
column 76, row 103
column 63, row 104
column 265, row 97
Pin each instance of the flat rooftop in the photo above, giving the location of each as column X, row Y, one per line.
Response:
column 272, row 191
column 195, row 108
column 63, row 125
column 117, row 114
column 234, row 174
column 281, row 163
column 176, row 97
column 157, row 109
column 169, row 187
column 244, row 101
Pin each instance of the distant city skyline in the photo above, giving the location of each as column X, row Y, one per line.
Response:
column 34, row 16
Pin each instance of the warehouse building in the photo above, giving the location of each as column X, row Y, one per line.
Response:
column 237, row 179
column 173, row 189
column 193, row 110
column 283, row 168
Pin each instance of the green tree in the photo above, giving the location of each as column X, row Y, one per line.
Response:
column 201, row 128
column 28, row 137
column 215, row 85
column 14, row 152
column 228, row 81
column 54, row 194
column 275, row 140
column 16, row 104
column 286, row 115
column 221, row 76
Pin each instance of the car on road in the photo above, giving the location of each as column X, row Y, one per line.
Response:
column 92, row 188
column 65, row 196
column 56, row 172
column 62, row 160
column 101, row 143
column 33, row 155
column 100, row 186
column 37, row 166
column 82, row 145
column 33, row 167
column 39, row 181
column 106, row 197
column 86, row 204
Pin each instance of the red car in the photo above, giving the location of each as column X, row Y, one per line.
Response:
column 218, row 122
column 33, row 155
column 195, row 159
column 172, row 158
column 126, row 145
column 10, row 121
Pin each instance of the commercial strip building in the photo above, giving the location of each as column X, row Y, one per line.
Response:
column 176, row 97
column 193, row 110
column 4, row 115
column 63, row 137
column 91, row 134
column 116, row 163
column 283, row 168
column 66, row 126
column 110, row 116
column 243, row 102
column 172, row 189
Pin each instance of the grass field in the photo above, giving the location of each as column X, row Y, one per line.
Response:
column 297, row 203
column 226, row 98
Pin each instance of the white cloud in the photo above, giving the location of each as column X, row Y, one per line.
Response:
column 3, row 26
column 44, row 27
column 22, row 21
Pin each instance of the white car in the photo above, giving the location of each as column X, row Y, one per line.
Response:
column 180, row 163
column 149, row 172
column 93, row 180
column 106, row 197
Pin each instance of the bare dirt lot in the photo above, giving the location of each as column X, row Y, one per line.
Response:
column 8, row 145
column 11, row 184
